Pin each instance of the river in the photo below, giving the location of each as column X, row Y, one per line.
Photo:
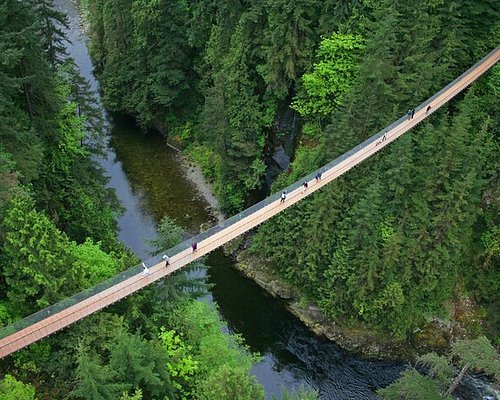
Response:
column 150, row 181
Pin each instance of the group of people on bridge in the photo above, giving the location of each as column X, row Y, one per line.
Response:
column 305, row 185
column 145, row 270
column 194, row 245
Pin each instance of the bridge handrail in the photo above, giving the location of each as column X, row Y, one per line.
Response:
column 124, row 275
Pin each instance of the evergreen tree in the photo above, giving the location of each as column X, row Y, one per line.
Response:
column 52, row 23
column 234, row 120
column 159, row 39
column 95, row 381
column 87, row 105
column 37, row 263
column 228, row 384
column 142, row 365
column 439, row 383
column 287, row 42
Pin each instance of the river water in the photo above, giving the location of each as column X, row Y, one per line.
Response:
column 150, row 182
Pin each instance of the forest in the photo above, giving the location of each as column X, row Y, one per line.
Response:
column 58, row 236
column 397, row 239
column 393, row 246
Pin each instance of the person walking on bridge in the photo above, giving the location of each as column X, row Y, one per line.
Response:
column 194, row 246
column 145, row 270
column 283, row 197
column 167, row 260
column 318, row 176
column 305, row 185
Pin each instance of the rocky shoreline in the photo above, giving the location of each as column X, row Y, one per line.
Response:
column 436, row 336
column 364, row 341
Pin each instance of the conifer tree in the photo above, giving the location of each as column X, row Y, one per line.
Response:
column 95, row 381
column 286, row 44
column 36, row 255
column 53, row 24
column 141, row 365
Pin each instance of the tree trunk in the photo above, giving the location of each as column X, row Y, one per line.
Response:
column 457, row 380
column 27, row 94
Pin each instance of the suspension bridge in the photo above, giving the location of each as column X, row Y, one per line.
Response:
column 58, row 316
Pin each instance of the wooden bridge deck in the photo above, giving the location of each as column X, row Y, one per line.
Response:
column 53, row 319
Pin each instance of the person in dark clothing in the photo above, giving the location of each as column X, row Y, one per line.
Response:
column 167, row 260
column 408, row 114
column 305, row 185
column 318, row 176
column 428, row 109
column 412, row 113
column 283, row 197
column 194, row 246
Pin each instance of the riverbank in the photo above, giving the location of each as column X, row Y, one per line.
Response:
column 194, row 175
column 361, row 340
column 462, row 319
column 436, row 336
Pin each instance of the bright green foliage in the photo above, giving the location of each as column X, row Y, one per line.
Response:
column 95, row 265
column 41, row 265
column 38, row 259
column 70, row 188
column 187, row 360
column 204, row 157
column 6, row 314
column 136, row 396
column 12, row 389
column 226, row 383
column 181, row 365
column 70, row 134
column 223, row 364
column 412, row 386
column 333, row 75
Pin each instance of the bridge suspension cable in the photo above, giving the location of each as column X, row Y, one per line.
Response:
column 49, row 320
